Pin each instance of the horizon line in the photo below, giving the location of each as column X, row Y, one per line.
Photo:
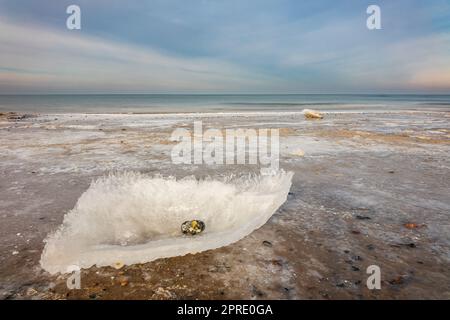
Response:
column 222, row 94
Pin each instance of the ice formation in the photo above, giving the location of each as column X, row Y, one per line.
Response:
column 133, row 218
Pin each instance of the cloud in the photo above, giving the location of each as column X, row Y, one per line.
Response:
column 225, row 46
column 37, row 58
column 417, row 64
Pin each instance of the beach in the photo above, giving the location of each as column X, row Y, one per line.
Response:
column 369, row 188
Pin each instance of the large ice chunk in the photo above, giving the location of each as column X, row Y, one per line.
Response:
column 134, row 218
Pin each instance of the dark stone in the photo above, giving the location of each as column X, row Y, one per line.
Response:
column 407, row 245
column 267, row 243
column 192, row 227
column 277, row 263
column 357, row 258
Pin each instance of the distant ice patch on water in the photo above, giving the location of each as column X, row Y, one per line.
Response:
column 134, row 218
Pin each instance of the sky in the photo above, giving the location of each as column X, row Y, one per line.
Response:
column 224, row 46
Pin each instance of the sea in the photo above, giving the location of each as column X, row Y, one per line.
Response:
column 181, row 103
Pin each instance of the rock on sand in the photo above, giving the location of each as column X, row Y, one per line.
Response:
column 311, row 114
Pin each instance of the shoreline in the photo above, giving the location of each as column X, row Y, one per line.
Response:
column 224, row 114
column 360, row 179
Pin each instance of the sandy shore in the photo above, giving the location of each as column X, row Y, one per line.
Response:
column 359, row 178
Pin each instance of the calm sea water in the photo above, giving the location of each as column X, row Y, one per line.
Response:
column 155, row 103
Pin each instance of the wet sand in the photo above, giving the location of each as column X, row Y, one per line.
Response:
column 359, row 179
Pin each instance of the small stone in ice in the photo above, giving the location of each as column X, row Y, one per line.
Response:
column 192, row 227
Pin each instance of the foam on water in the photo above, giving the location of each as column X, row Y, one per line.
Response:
column 134, row 218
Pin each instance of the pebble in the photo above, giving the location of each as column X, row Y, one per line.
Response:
column 118, row 265
column 267, row 243
column 192, row 227
column 299, row 153
column 411, row 225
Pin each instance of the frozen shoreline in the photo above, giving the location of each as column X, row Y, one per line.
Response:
column 392, row 168
column 227, row 114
